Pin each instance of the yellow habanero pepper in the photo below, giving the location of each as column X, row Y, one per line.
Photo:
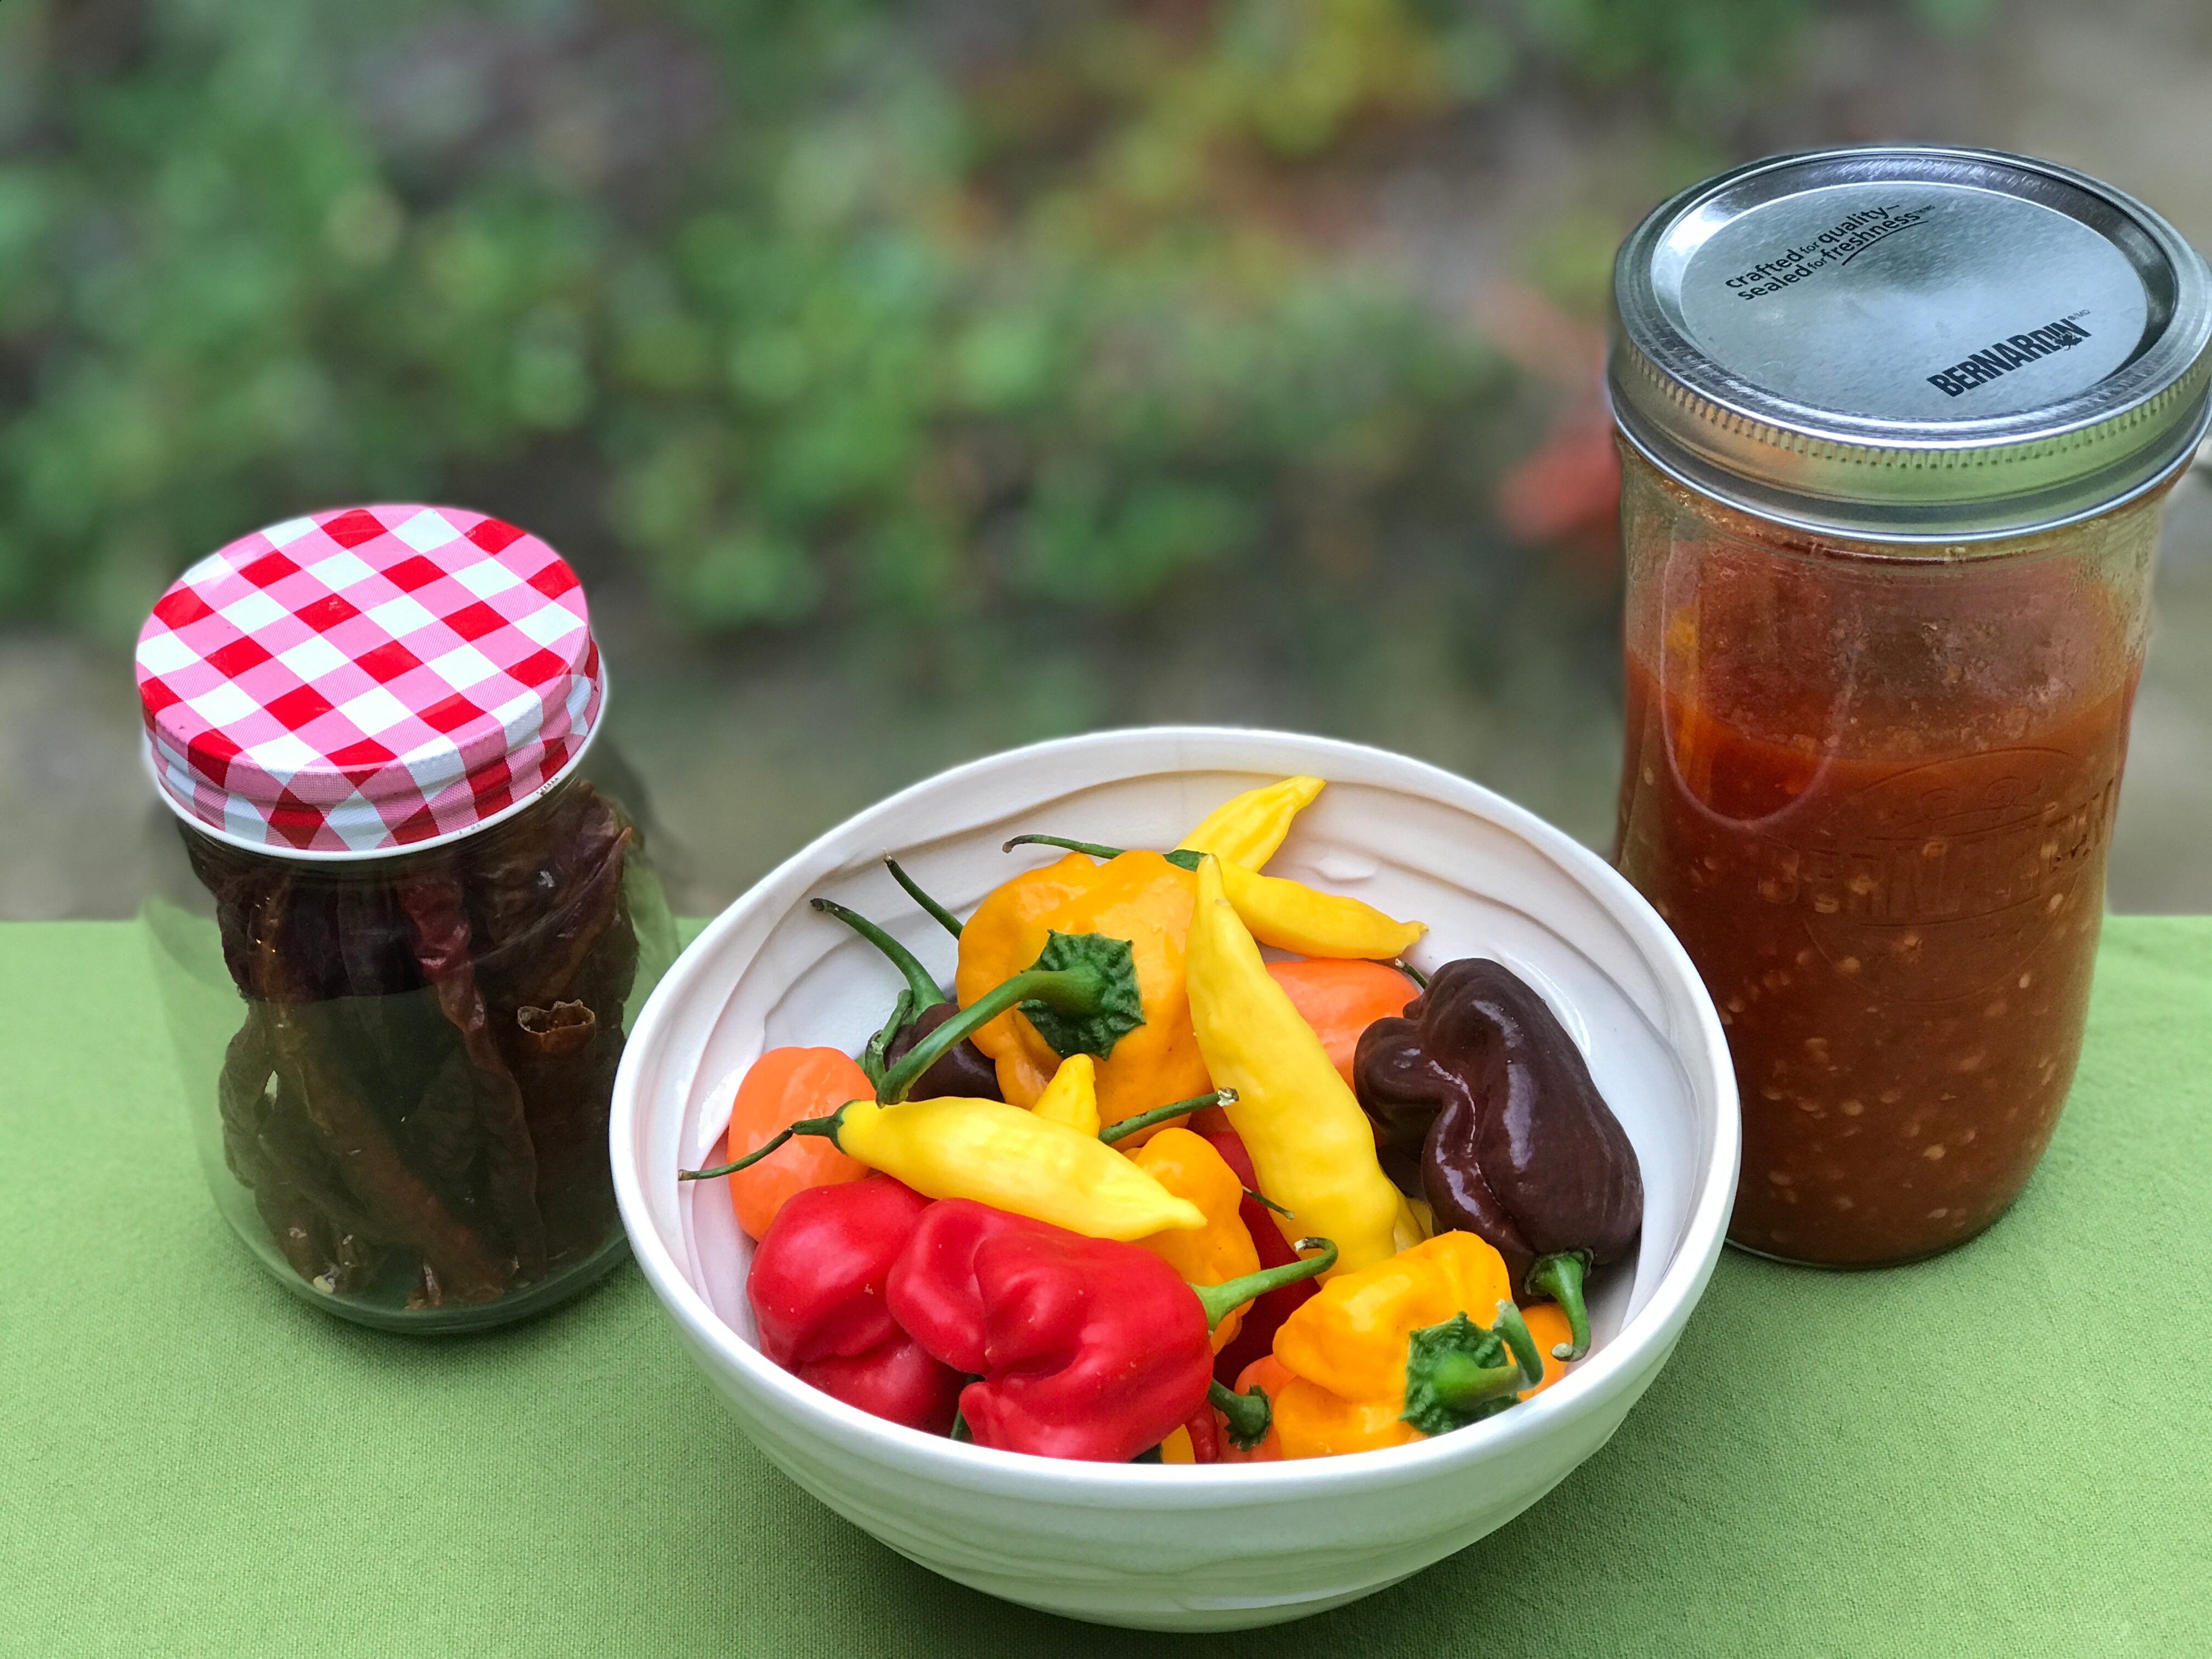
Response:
column 1246, row 830
column 1187, row 1165
column 1139, row 896
column 1310, row 1144
column 1346, row 1346
column 1071, row 1097
column 998, row 1155
column 1292, row 916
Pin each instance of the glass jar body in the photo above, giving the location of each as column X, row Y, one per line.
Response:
column 398, row 1066
column 1872, row 792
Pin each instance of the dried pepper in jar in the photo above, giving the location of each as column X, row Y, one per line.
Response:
column 372, row 727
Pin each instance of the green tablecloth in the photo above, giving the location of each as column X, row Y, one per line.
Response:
column 2006, row 1451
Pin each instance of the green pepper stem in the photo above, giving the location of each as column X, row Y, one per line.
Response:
column 1560, row 1276
column 872, row 1060
column 1129, row 1126
column 1183, row 857
column 1518, row 1336
column 1411, row 972
column 1220, row 1300
column 1077, row 990
column 825, row 1126
column 1250, row 1415
column 1459, row 1381
column 1268, row 1203
column 945, row 919
column 1089, row 847
column 919, row 978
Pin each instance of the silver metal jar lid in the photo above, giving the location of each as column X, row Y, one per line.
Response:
column 1905, row 343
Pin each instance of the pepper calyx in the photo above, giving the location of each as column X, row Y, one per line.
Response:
column 1560, row 1276
column 1249, row 1415
column 1458, row 1373
column 1092, row 1024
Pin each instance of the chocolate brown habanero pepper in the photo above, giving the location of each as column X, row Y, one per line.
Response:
column 1516, row 1144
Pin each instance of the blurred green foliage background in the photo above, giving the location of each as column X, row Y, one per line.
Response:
column 913, row 378
column 781, row 313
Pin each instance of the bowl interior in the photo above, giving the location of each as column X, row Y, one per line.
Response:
column 1488, row 878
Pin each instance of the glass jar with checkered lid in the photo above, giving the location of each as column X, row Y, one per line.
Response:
column 407, row 917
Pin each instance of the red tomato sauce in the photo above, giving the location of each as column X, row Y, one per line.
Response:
column 1893, row 899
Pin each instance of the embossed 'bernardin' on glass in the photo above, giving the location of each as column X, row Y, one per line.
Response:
column 1896, row 422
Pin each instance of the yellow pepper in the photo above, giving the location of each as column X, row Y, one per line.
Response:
column 998, row 1155
column 1292, row 916
column 1071, row 1097
column 1187, row 1165
column 1139, row 896
column 1310, row 1144
column 1246, row 830
column 1346, row 1346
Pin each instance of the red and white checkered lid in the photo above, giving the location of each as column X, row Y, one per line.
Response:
column 367, row 679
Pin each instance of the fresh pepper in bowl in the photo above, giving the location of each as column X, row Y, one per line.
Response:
column 1082, row 992
column 1142, row 896
column 1186, row 1165
column 1418, row 1344
column 1309, row 1143
column 1255, row 1334
column 1082, row 1347
column 1341, row 998
column 1515, row 1141
column 1071, row 1097
column 784, row 1086
column 816, row 1288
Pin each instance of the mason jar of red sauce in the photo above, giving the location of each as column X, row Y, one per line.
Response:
column 1896, row 423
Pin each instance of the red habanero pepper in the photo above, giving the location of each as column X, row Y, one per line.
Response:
column 1255, row 1337
column 1086, row 1348
column 1206, row 1436
column 932, row 1291
column 817, row 1289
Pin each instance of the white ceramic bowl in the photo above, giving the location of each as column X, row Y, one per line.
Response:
column 1157, row 1547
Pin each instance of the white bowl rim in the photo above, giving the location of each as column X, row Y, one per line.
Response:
column 1584, row 1390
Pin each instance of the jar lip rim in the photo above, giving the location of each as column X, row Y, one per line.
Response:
column 1773, row 511
column 403, row 849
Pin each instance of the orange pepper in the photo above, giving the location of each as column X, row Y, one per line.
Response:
column 1137, row 897
column 1547, row 1323
column 1222, row 1249
column 1340, row 999
column 782, row 1086
column 1271, row 1376
column 1345, row 1348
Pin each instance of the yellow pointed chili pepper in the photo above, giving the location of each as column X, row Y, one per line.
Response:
column 1187, row 1165
column 1347, row 1346
column 1137, row 897
column 1310, row 1144
column 1246, row 830
column 1292, row 916
column 998, row 1155
column 1071, row 1097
